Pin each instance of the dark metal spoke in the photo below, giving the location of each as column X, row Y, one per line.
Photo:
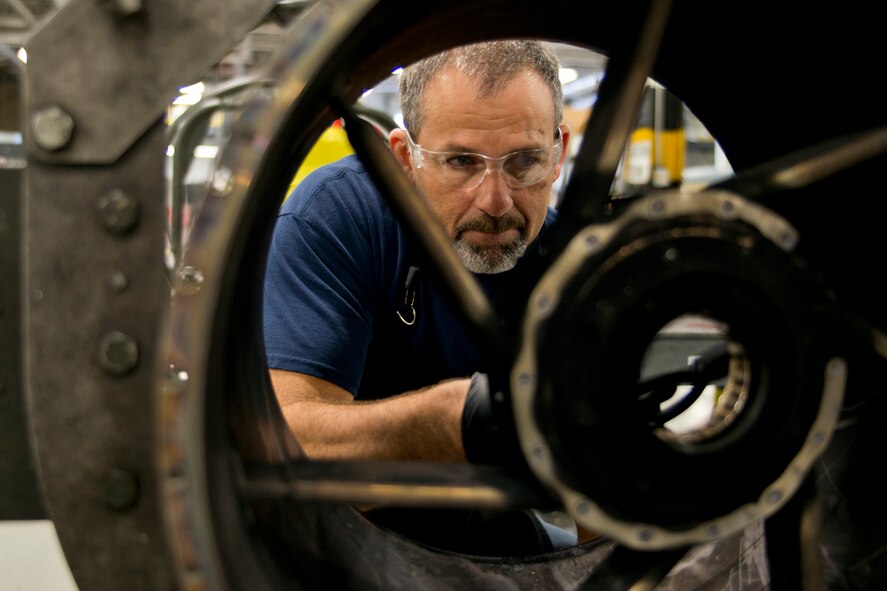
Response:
column 805, row 167
column 411, row 207
column 613, row 118
column 398, row 483
column 793, row 542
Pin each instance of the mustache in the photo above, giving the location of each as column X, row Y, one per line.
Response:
column 490, row 224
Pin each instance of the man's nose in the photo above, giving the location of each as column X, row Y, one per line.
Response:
column 493, row 196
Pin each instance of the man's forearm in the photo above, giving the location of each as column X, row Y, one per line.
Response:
column 418, row 425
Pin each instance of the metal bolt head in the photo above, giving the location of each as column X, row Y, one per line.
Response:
column 122, row 8
column 190, row 280
column 128, row 7
column 52, row 128
column 118, row 281
column 119, row 211
column 118, row 353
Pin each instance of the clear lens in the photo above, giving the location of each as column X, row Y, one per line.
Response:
column 465, row 170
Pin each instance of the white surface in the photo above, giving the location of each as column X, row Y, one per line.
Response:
column 31, row 558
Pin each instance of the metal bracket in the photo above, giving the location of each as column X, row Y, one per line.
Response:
column 121, row 70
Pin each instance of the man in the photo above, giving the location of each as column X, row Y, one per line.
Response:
column 367, row 358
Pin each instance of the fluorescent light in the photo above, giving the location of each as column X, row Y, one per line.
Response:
column 11, row 137
column 197, row 88
column 187, row 99
column 190, row 95
column 205, row 151
column 22, row 54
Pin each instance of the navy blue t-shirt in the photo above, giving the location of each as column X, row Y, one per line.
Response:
column 336, row 276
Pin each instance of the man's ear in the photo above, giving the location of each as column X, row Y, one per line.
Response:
column 565, row 145
column 397, row 141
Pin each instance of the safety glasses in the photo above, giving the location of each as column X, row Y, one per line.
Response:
column 467, row 170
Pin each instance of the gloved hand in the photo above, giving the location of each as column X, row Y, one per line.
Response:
column 488, row 433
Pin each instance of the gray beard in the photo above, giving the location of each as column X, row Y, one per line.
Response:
column 490, row 259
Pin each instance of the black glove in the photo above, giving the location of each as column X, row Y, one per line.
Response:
column 488, row 434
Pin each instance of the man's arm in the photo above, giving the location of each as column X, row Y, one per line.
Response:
column 330, row 424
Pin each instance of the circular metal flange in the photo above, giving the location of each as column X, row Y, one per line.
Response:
column 588, row 326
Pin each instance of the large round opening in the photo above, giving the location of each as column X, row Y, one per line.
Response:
column 267, row 491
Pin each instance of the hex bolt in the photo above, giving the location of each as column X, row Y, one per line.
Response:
column 119, row 211
column 121, row 489
column 52, row 128
column 118, row 353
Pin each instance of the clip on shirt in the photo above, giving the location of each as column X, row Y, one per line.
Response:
column 409, row 297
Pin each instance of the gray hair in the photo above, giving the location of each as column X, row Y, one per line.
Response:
column 491, row 63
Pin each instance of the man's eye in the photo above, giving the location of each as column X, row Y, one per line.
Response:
column 524, row 160
column 462, row 161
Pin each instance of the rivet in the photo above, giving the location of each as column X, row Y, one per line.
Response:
column 788, row 240
column 657, row 207
column 118, row 281
column 118, row 353
column 121, row 489
column 126, row 7
column 543, row 302
column 190, row 280
column 119, row 211
column 52, row 128
column 176, row 380
column 836, row 367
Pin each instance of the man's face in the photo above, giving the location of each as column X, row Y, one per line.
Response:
column 491, row 224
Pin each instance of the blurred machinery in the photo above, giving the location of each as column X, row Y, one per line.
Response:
column 137, row 414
